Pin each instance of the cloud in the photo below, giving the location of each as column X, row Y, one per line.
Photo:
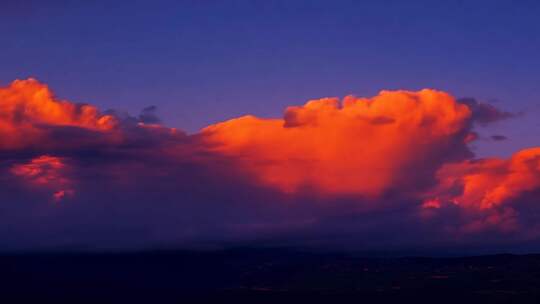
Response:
column 29, row 113
column 497, row 137
column 46, row 172
column 492, row 193
column 368, row 147
column 487, row 183
column 391, row 171
column 148, row 115
column 484, row 113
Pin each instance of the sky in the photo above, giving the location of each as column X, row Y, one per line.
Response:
column 201, row 62
column 330, row 124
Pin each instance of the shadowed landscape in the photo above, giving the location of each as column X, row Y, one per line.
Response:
column 265, row 275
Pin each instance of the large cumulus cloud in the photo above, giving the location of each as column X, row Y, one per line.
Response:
column 391, row 171
column 366, row 147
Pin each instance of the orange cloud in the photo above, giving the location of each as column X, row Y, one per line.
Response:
column 47, row 172
column 489, row 183
column 397, row 147
column 27, row 106
column 489, row 192
column 360, row 146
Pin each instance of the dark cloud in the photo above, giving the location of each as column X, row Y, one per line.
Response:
column 148, row 115
column 485, row 113
column 497, row 137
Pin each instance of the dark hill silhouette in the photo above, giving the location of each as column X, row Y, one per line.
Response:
column 264, row 275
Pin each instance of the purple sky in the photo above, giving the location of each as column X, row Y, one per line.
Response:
column 201, row 62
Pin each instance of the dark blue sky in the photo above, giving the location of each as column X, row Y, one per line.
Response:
column 201, row 62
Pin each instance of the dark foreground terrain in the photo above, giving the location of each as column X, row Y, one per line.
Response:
column 265, row 276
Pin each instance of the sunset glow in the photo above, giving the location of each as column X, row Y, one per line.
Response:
column 45, row 172
column 379, row 152
column 358, row 146
column 28, row 106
